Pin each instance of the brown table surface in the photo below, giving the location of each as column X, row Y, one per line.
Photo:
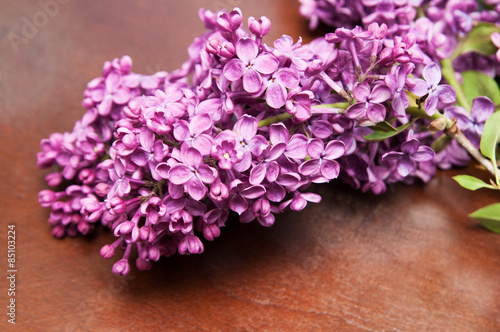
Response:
column 409, row 260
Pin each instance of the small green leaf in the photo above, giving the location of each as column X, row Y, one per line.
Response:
column 489, row 217
column 478, row 40
column 472, row 183
column 491, row 136
column 477, row 84
column 383, row 127
column 379, row 134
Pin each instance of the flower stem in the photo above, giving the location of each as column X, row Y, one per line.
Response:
column 274, row 119
column 451, row 130
column 449, row 75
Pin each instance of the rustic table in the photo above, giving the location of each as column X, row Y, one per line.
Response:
column 409, row 260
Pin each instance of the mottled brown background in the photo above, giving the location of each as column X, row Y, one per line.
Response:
column 409, row 260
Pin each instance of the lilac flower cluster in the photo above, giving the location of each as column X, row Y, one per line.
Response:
column 436, row 26
column 243, row 128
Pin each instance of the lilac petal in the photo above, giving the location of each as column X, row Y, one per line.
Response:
column 430, row 105
column 246, row 50
column 375, row 113
column 140, row 157
column 432, row 74
column 97, row 95
column 334, row 150
column 405, row 165
column 147, row 138
column 393, row 155
column 296, row 148
column 181, row 130
column 180, row 174
column 278, row 133
column 252, row 81
column 203, row 144
column 105, row 106
column 273, row 171
column 482, row 108
column 410, row 146
column 238, row 204
column 276, row 151
column 112, row 81
column 247, row 127
column 206, row 174
column 309, row 167
column 257, row 174
column 162, row 169
column 245, row 162
column 447, row 94
column 191, row 157
column 424, row 153
column 289, row 179
column 380, row 93
column 315, row 148
column 275, row 192
column 253, row 192
column 234, row 69
column 196, row 189
column 330, row 169
column 420, row 89
column 298, row 203
column 362, row 92
column 276, row 95
column 356, row 110
column 266, row 63
column 287, row 77
column 321, row 129
column 121, row 95
column 258, row 144
column 312, row 197
column 200, row 124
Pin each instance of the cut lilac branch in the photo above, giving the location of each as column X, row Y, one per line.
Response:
column 275, row 119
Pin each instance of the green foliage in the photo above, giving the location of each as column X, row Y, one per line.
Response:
column 478, row 40
column 472, row 183
column 491, row 136
column 489, row 217
column 384, row 130
column 478, row 84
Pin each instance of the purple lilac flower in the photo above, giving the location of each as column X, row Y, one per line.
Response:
column 250, row 65
column 472, row 124
column 411, row 152
column 438, row 95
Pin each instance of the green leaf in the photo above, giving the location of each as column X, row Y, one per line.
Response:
column 489, row 217
column 478, row 40
column 478, row 84
column 384, row 131
column 491, row 136
column 472, row 183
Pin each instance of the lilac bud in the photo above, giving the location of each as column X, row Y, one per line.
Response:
column 116, row 205
column 211, row 231
column 101, row 189
column 107, row 251
column 86, row 176
column 190, row 244
column 122, row 267
column 261, row 27
column 53, row 179
column 219, row 192
column 83, row 227
column 154, row 253
column 58, row 231
column 46, row 198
